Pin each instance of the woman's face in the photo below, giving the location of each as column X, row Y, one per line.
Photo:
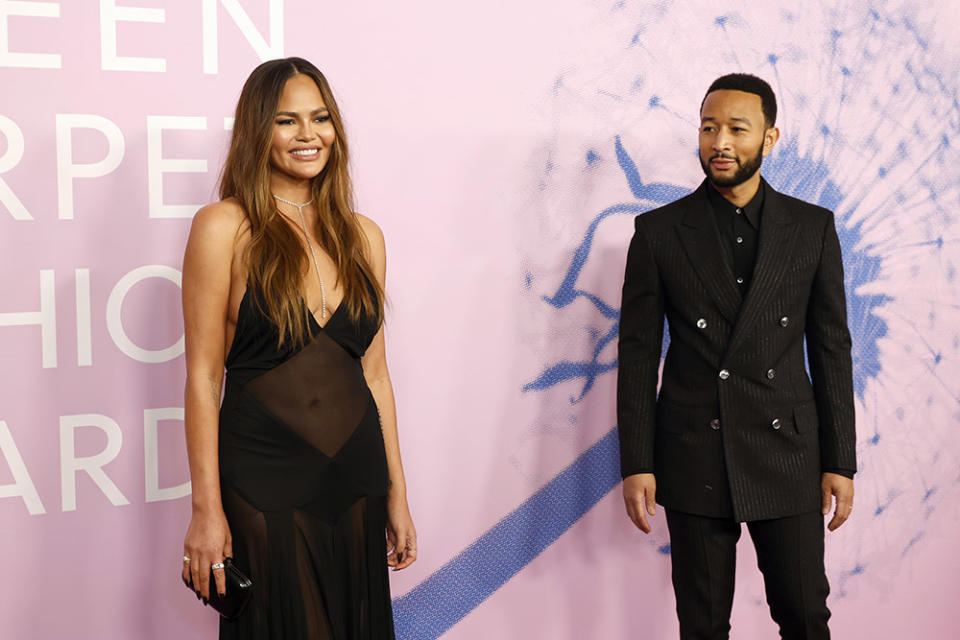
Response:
column 303, row 133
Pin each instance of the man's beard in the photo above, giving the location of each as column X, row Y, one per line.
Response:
column 743, row 173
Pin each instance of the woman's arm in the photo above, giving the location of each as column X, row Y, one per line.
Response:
column 207, row 266
column 401, row 535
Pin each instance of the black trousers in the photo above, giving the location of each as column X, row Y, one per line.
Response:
column 789, row 554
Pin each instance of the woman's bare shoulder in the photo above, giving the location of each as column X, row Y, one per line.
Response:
column 376, row 251
column 221, row 215
column 220, row 222
column 372, row 232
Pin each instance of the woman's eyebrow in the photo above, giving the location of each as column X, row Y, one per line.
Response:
column 294, row 114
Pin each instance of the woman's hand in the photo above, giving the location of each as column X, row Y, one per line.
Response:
column 208, row 542
column 401, row 536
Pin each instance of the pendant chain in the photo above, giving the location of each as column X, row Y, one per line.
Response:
column 313, row 254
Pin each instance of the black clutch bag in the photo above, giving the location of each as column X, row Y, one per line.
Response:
column 238, row 591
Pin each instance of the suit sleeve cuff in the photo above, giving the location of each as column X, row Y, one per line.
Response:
column 847, row 473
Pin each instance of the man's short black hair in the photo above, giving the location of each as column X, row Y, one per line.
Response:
column 749, row 84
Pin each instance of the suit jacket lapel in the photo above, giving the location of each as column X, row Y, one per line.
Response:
column 701, row 239
column 778, row 229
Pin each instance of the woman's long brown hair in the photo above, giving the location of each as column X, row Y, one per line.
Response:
column 276, row 258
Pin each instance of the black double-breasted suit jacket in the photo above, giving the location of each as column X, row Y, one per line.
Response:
column 739, row 429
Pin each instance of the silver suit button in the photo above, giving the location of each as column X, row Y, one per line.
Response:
column 776, row 423
column 739, row 280
column 771, row 374
column 724, row 374
column 715, row 424
column 784, row 321
column 701, row 324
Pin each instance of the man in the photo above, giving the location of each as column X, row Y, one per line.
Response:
column 739, row 432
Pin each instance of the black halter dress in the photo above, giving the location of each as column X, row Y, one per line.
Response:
column 304, row 482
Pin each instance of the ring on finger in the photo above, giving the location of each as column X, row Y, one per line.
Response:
column 186, row 559
column 217, row 565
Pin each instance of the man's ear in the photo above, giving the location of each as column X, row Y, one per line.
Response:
column 769, row 140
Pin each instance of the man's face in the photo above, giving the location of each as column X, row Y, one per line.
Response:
column 733, row 137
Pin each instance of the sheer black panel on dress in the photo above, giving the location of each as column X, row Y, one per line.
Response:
column 319, row 393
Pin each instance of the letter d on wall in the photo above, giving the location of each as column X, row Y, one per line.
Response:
column 151, row 455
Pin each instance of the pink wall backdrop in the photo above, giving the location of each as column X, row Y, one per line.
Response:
column 503, row 147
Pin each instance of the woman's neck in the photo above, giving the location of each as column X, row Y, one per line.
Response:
column 298, row 191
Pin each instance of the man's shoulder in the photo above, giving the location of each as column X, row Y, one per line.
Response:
column 802, row 210
column 669, row 214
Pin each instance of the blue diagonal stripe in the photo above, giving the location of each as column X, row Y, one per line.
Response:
column 461, row 585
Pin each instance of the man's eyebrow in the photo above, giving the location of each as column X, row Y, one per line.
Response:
column 294, row 114
column 734, row 118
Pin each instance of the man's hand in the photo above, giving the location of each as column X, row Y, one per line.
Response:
column 833, row 484
column 639, row 495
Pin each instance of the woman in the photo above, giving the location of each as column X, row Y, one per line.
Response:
column 298, row 476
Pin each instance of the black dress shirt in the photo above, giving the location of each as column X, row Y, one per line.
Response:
column 739, row 230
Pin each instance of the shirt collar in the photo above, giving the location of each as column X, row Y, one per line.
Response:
column 751, row 210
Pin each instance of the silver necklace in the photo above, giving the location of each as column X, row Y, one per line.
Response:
column 316, row 265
